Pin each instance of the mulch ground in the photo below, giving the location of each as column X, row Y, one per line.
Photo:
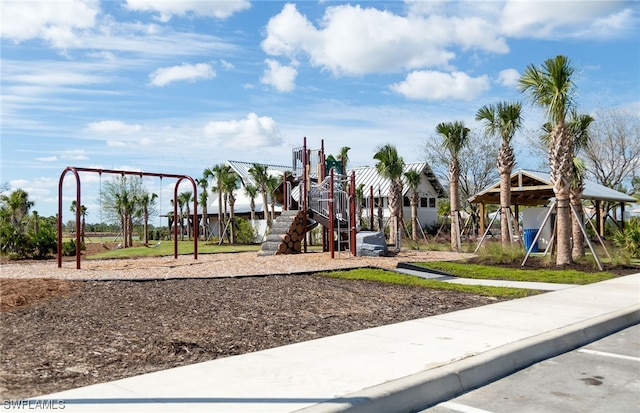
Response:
column 58, row 334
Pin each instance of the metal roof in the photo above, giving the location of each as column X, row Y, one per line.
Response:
column 368, row 176
column 242, row 169
column 534, row 188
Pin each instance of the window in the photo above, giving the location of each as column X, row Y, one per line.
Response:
column 432, row 202
column 406, row 202
column 424, row 202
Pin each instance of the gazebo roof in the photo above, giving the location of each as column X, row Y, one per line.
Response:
column 534, row 188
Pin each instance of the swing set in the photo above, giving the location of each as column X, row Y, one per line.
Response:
column 75, row 171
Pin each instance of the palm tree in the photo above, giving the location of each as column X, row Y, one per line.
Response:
column 578, row 126
column 360, row 200
column 218, row 172
column 252, row 192
column 230, row 184
column 272, row 184
column 184, row 200
column 390, row 166
column 18, row 204
column 455, row 136
column 413, row 179
column 260, row 176
column 503, row 120
column 146, row 201
column 83, row 214
column 551, row 87
column 344, row 158
column 203, row 200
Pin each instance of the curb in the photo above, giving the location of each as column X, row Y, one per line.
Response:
column 434, row 386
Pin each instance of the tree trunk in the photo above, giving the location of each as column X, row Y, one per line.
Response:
column 414, row 217
column 232, row 217
column 577, row 251
column 561, row 165
column 454, row 172
column 505, row 207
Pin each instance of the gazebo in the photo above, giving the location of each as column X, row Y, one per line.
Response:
column 533, row 188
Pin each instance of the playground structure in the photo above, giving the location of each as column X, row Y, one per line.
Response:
column 318, row 192
column 75, row 171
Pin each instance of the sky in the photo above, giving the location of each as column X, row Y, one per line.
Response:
column 179, row 86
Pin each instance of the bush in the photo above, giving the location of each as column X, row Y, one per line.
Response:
column 629, row 239
column 43, row 242
column 492, row 252
column 245, row 232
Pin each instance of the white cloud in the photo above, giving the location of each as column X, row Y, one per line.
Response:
column 283, row 78
column 47, row 159
column 251, row 132
column 432, row 85
column 188, row 72
column 566, row 19
column 74, row 155
column 508, row 77
column 54, row 21
column 113, row 126
column 167, row 9
column 352, row 40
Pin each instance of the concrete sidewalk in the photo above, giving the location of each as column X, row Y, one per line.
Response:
column 395, row 368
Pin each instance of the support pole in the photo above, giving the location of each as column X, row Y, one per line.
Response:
column 352, row 213
column 586, row 237
column 331, row 216
column 483, row 235
column 535, row 239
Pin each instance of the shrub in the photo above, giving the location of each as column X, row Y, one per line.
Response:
column 43, row 242
column 245, row 233
column 629, row 239
column 494, row 253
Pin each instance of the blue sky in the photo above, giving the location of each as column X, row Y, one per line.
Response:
column 178, row 86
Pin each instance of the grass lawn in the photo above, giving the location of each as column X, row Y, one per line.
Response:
column 166, row 248
column 478, row 271
column 396, row 278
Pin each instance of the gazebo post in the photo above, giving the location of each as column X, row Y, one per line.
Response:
column 482, row 212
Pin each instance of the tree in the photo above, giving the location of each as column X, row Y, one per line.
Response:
column 390, row 166
column 146, row 201
column 252, row 192
column 83, row 214
column 455, row 136
column 613, row 154
column 260, row 177
column 218, row 172
column 343, row 157
column 18, row 205
column 203, row 200
column 477, row 166
column 14, row 213
column 184, row 201
column 551, row 87
column 272, row 184
column 118, row 198
column 413, row 182
column 360, row 200
column 229, row 185
column 503, row 120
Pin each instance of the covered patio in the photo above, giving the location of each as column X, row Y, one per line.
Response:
column 533, row 188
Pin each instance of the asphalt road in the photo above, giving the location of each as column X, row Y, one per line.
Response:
column 603, row 376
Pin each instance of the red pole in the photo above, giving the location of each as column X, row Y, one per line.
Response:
column 331, row 217
column 371, row 208
column 303, row 193
column 352, row 212
column 60, row 182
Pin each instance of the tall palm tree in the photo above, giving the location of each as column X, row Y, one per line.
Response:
column 578, row 126
column 360, row 200
column 18, row 204
column 413, row 179
column 272, row 184
column 260, row 176
column 218, row 172
column 229, row 185
column 203, row 200
column 343, row 157
column 146, row 202
column 455, row 136
column 83, row 214
column 503, row 120
column 184, row 200
column 551, row 87
column 390, row 166
column 252, row 192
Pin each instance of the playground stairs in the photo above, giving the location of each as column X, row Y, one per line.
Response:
column 286, row 234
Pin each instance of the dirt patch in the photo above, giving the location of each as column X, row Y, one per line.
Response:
column 97, row 331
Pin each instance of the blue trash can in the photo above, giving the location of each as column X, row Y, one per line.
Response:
column 529, row 236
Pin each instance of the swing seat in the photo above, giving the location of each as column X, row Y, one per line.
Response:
column 155, row 245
